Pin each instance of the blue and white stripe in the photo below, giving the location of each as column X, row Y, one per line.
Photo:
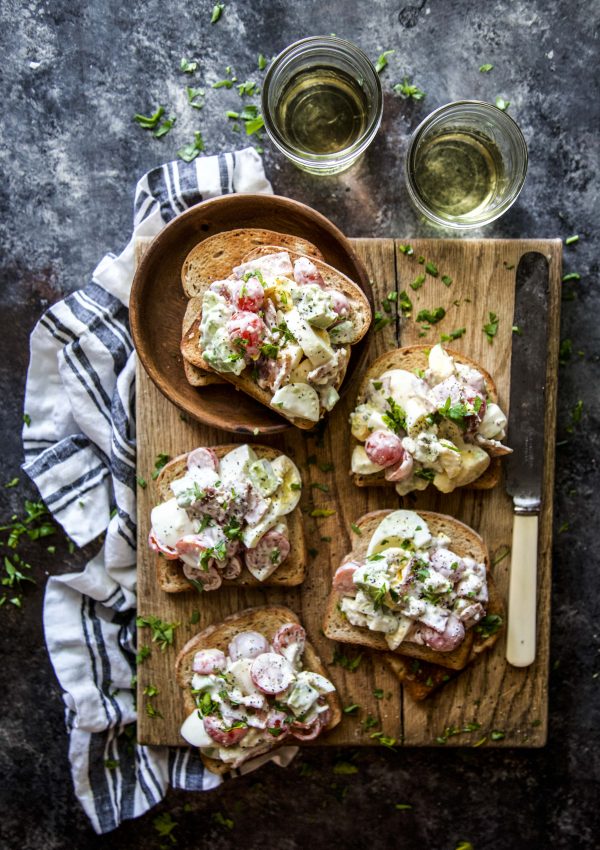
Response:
column 80, row 452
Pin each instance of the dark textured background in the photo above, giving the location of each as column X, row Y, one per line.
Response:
column 73, row 74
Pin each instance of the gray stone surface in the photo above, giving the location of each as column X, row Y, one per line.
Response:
column 73, row 74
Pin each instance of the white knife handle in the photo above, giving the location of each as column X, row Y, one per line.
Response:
column 520, row 642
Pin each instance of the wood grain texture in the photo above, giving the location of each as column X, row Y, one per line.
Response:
column 489, row 693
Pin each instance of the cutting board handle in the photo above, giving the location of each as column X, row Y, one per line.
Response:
column 522, row 596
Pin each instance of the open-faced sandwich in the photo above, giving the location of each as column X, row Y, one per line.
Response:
column 279, row 326
column 228, row 515
column 427, row 417
column 415, row 583
column 252, row 683
column 213, row 259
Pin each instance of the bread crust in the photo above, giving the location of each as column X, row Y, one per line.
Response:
column 214, row 257
column 464, row 541
column 191, row 342
column 290, row 573
column 265, row 620
column 410, row 358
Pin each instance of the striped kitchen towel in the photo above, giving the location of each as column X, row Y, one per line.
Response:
column 80, row 453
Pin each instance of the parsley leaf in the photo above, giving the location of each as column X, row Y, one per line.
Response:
column 502, row 104
column 491, row 328
column 149, row 122
column 405, row 304
column 190, row 151
column 382, row 61
column 262, row 62
column 409, row 90
column 395, row 418
column 187, row 67
column 452, row 335
column 217, row 12
column 193, row 96
column 164, row 128
column 485, row 69
column 432, row 317
column 418, row 282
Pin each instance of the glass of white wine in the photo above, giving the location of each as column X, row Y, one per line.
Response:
column 466, row 164
column 322, row 103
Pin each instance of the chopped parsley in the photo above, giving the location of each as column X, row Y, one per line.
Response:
column 269, row 350
column 142, row 653
column 489, row 625
column 164, row 128
column 162, row 633
column 571, row 240
column 217, row 12
column 350, row 664
column 164, row 826
column 409, row 90
column 491, row 328
column 317, row 485
column 161, row 460
column 497, row 735
column 380, row 321
column 321, row 512
column 571, row 276
column 406, row 249
column 431, row 269
column 446, row 280
column 453, row 335
column 378, row 693
column 502, row 104
column 27, row 419
column 355, row 528
column 149, row 122
column 262, row 62
column 382, row 60
column 516, row 329
column 432, row 317
column 395, row 418
column 248, row 87
column 188, row 67
column 405, row 304
column 485, row 69
column 195, row 97
column 351, row 709
column 418, row 282
column 576, row 415
column 345, row 768
column 425, row 474
column 141, row 482
column 190, row 151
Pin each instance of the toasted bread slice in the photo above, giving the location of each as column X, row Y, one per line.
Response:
column 267, row 621
column 215, row 257
column 464, row 542
column 410, row 359
column 192, row 351
column 291, row 572
column 422, row 678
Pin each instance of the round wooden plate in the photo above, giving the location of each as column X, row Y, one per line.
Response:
column 157, row 302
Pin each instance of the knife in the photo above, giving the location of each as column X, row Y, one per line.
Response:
column 525, row 467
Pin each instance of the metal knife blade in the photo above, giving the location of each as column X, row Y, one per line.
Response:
column 525, row 466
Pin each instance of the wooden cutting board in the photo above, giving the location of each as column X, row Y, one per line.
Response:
column 490, row 695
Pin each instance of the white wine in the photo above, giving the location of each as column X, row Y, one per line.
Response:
column 322, row 111
column 458, row 173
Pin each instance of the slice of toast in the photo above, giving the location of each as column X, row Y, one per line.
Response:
column 422, row 678
column 464, row 542
column 214, row 258
column 192, row 351
column 410, row 359
column 289, row 574
column 267, row 621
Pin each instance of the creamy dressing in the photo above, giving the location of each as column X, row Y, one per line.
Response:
column 440, row 416
column 410, row 579
column 281, row 336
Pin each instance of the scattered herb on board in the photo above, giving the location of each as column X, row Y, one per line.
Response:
column 485, row 69
column 326, row 467
column 378, row 693
column 453, row 335
column 356, row 529
column 380, row 321
column 228, row 81
column 406, row 249
column 149, row 122
column 382, row 60
column 187, row 67
column 517, row 329
column 497, row 735
column 491, row 328
column 150, row 691
column 342, row 660
column 369, row 722
column 432, row 317
column 571, row 276
column 489, row 625
column 351, row 709
column 501, row 553
column 321, row 512
column 161, row 460
column 431, row 269
column 190, row 151
column 12, row 483
column 318, row 486
column 162, row 633
column 405, row 304
column 141, row 482
column 446, row 280
column 409, row 90
column 249, row 87
column 571, row 240
column 142, row 653
column 564, row 527
column 402, row 807
column 152, row 711
column 418, row 282
column 262, row 62
column 384, row 740
column 217, row 12
column 502, row 104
